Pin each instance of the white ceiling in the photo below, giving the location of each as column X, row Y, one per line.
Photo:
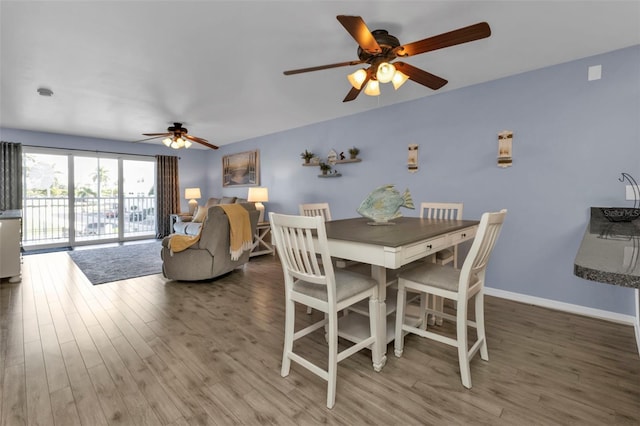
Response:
column 122, row 68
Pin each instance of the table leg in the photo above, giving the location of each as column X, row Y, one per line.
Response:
column 636, row 325
column 379, row 274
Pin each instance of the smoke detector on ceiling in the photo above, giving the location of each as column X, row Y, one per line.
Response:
column 45, row 92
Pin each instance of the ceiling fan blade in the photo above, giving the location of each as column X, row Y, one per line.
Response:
column 359, row 31
column 200, row 141
column 353, row 93
column 156, row 134
column 452, row 38
column 420, row 76
column 148, row 139
column 322, row 67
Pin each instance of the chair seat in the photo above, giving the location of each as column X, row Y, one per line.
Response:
column 350, row 284
column 435, row 275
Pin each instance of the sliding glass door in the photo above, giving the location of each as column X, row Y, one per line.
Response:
column 139, row 198
column 46, row 203
column 95, row 183
column 75, row 198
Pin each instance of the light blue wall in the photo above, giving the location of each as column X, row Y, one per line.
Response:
column 572, row 139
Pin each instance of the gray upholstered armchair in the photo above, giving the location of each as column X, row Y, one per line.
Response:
column 210, row 256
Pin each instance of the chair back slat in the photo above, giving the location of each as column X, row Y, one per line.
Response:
column 316, row 209
column 475, row 265
column 446, row 211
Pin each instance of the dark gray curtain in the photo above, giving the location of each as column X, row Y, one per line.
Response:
column 10, row 176
column 168, row 196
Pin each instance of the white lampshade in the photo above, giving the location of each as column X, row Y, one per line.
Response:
column 167, row 141
column 187, row 143
column 191, row 193
column 357, row 78
column 372, row 88
column 257, row 195
column 385, row 72
column 399, row 78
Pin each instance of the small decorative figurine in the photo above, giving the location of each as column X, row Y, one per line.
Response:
column 384, row 204
column 332, row 157
column 342, row 157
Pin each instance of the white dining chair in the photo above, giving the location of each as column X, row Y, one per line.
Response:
column 319, row 286
column 316, row 209
column 457, row 285
column 446, row 211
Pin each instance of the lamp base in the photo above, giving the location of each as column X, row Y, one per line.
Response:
column 192, row 206
column 260, row 208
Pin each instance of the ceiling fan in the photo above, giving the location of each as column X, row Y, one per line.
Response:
column 177, row 137
column 378, row 49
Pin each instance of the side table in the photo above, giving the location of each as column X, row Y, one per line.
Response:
column 175, row 217
column 260, row 243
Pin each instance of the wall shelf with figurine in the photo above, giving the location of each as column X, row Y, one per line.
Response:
column 326, row 166
column 355, row 160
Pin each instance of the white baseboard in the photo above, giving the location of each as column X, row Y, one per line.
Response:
column 561, row 306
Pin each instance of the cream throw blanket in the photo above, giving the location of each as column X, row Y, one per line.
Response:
column 240, row 237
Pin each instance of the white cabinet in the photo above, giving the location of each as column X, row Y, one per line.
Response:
column 10, row 248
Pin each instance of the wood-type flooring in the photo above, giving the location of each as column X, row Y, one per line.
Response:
column 148, row 351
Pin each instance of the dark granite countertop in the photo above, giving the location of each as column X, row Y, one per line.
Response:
column 610, row 251
column 10, row 214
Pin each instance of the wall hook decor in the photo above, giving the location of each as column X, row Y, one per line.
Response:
column 505, row 154
column 412, row 162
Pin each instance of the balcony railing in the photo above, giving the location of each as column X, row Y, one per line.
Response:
column 46, row 220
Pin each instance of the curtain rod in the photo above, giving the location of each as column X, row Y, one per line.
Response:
column 90, row 150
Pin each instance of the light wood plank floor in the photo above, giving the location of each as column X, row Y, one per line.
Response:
column 147, row 351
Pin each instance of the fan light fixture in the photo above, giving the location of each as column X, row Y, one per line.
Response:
column 385, row 73
column 372, row 88
column 357, row 78
column 399, row 78
column 176, row 142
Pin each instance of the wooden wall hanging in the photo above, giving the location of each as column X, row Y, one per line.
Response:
column 412, row 162
column 505, row 154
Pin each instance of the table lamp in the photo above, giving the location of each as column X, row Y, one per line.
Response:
column 258, row 195
column 192, row 194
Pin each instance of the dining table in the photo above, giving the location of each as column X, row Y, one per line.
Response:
column 387, row 248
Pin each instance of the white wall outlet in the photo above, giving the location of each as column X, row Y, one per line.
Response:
column 595, row 72
column 630, row 193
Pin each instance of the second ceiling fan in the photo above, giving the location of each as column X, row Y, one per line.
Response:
column 177, row 137
column 378, row 49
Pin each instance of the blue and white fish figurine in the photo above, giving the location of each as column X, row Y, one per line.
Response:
column 384, row 203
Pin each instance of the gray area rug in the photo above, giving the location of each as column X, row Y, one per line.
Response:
column 104, row 265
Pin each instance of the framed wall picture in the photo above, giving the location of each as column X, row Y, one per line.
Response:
column 241, row 169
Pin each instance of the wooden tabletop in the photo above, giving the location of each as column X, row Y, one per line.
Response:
column 405, row 230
